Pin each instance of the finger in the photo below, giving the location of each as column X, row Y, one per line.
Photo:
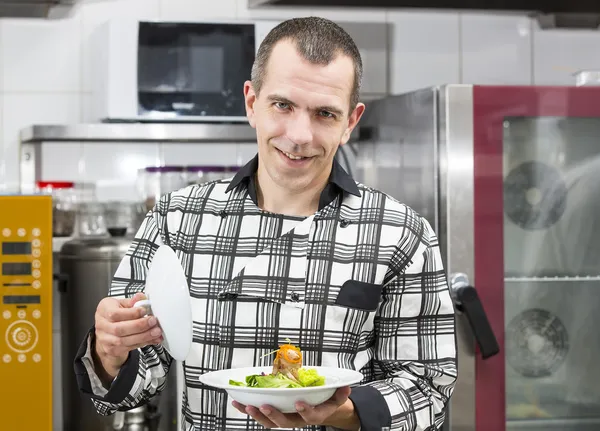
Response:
column 108, row 339
column 260, row 418
column 282, row 420
column 129, row 302
column 132, row 327
column 317, row 414
column 240, row 407
column 121, row 314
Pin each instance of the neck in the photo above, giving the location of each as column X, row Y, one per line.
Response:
column 276, row 199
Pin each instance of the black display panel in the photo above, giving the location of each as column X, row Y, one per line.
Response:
column 21, row 299
column 16, row 248
column 16, row 268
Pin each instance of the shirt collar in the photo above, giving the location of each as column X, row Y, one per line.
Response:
column 339, row 181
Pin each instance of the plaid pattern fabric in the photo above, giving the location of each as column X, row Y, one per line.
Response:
column 257, row 279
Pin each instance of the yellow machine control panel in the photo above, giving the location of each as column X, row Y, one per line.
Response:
column 26, row 312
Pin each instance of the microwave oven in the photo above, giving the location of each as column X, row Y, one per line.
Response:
column 157, row 71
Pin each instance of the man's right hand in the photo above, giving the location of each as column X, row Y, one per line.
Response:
column 121, row 328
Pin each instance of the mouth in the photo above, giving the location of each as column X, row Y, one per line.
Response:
column 293, row 158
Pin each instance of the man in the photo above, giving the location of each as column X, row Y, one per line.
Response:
column 291, row 247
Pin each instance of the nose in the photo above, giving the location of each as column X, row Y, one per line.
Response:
column 299, row 128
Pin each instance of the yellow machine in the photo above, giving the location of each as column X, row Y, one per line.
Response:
column 26, row 313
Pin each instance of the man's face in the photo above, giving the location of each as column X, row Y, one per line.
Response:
column 301, row 117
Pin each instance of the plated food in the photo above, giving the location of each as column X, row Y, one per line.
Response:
column 282, row 384
column 287, row 372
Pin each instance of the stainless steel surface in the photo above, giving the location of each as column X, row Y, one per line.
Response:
column 418, row 147
column 397, row 150
column 139, row 132
column 34, row 136
column 456, row 155
column 88, row 265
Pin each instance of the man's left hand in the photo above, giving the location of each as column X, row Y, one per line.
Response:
column 338, row 411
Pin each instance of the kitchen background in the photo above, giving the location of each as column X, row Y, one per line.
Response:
column 45, row 78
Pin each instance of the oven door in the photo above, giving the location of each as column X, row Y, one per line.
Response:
column 524, row 189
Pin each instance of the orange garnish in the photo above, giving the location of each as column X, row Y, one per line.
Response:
column 291, row 354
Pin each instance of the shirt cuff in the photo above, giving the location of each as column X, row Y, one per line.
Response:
column 88, row 362
column 371, row 408
column 88, row 381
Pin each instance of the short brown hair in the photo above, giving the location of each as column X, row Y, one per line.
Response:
column 318, row 40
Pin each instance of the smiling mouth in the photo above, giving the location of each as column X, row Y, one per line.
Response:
column 292, row 156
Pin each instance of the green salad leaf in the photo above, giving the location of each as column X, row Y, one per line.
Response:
column 306, row 376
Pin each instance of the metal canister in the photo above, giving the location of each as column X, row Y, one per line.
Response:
column 86, row 269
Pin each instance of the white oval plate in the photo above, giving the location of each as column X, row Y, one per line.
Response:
column 168, row 296
column 283, row 399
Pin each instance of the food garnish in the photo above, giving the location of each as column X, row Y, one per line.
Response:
column 287, row 372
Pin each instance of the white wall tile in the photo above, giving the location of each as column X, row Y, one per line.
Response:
column 62, row 161
column 199, row 154
column 424, row 50
column 194, row 10
column 41, row 55
column 113, row 167
column 95, row 14
column 558, row 54
column 496, row 49
column 281, row 12
column 22, row 110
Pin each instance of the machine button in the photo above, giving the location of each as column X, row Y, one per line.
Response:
column 36, row 264
column 36, row 242
column 6, row 314
column 36, row 252
column 37, row 314
column 36, row 273
column 21, row 232
column 6, row 232
column 36, row 232
column 21, row 314
column 37, row 357
column 21, row 336
column 36, row 284
column 22, row 357
column 6, row 358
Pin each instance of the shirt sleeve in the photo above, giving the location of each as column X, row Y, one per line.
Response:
column 415, row 359
column 144, row 373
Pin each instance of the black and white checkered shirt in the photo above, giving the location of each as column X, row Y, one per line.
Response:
column 358, row 285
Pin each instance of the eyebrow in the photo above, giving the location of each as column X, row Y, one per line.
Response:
column 278, row 98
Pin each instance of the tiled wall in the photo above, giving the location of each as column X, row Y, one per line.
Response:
column 45, row 77
column 49, row 80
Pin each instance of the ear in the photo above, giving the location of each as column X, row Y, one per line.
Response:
column 250, row 98
column 353, row 121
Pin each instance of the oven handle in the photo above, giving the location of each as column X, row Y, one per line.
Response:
column 467, row 302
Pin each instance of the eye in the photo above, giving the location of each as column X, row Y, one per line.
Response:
column 282, row 105
column 326, row 114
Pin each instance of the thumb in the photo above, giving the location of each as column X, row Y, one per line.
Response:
column 128, row 302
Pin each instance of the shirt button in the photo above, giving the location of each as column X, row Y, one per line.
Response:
column 295, row 297
column 344, row 223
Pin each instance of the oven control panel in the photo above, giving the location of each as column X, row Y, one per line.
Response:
column 26, row 310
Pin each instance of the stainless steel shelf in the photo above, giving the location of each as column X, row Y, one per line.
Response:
column 139, row 132
column 550, row 279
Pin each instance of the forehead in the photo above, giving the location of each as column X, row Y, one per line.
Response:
column 300, row 80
